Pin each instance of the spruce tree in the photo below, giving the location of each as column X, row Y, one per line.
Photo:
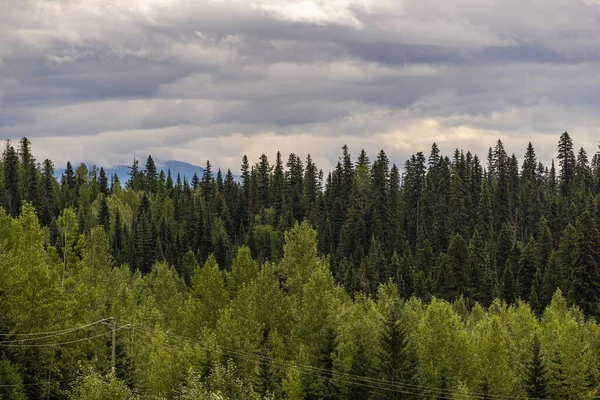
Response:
column 115, row 183
column 11, row 179
column 567, row 162
column 294, row 180
column 103, row 182
column 28, row 173
column 48, row 209
column 310, row 188
column 396, row 358
column 195, row 181
column 527, row 268
column 278, row 185
column 136, row 177
column 104, row 215
column 151, row 176
column 263, row 171
column 585, row 289
column 457, row 279
column 413, row 185
column 379, row 213
column 537, row 382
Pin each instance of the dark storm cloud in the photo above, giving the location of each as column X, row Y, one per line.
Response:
column 101, row 81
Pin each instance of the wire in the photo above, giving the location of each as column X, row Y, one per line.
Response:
column 67, row 330
column 62, row 343
column 339, row 376
column 49, row 336
column 40, row 383
column 365, row 381
column 350, row 378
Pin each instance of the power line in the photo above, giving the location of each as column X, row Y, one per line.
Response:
column 58, row 332
column 343, row 377
column 49, row 335
column 57, row 344
column 314, row 371
column 40, row 383
column 311, row 370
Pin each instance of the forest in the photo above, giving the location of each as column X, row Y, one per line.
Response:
column 451, row 278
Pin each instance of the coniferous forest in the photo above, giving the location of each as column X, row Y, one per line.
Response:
column 450, row 277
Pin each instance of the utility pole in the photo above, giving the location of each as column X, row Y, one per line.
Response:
column 114, row 345
column 113, row 350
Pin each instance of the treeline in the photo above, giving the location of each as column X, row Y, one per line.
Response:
column 269, row 330
column 444, row 227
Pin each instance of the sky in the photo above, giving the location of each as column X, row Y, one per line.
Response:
column 102, row 81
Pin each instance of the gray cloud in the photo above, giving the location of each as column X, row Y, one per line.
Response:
column 101, row 81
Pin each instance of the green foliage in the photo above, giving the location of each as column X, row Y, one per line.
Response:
column 283, row 287
column 91, row 385
column 11, row 383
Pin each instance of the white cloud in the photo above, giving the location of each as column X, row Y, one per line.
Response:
column 103, row 80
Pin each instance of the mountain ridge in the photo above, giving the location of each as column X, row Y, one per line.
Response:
column 184, row 169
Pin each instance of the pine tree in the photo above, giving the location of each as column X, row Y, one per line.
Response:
column 48, row 209
column 117, row 242
column 115, row 183
column 11, row 179
column 278, row 185
column 413, row 185
column 263, row 171
column 28, row 173
column 294, row 179
column 566, row 162
column 379, row 199
column 143, row 241
column 536, row 378
column 151, row 176
column 104, row 215
column 457, row 262
column 103, row 182
column 195, row 181
column 511, row 290
column 501, row 201
column 396, row 358
column 136, row 177
column 360, row 367
column 207, row 184
column 585, row 289
column 395, row 210
column 484, row 222
column 476, row 265
column 310, row 190
column 504, row 244
column 527, row 268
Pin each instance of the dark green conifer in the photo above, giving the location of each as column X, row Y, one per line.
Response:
column 11, row 180
column 103, row 182
column 537, row 381
column 585, row 289
column 396, row 358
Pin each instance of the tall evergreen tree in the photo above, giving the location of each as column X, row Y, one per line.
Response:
column 103, row 182
column 11, row 179
column 585, row 289
column 567, row 162
column 379, row 201
column 151, row 176
column 413, row 185
column 456, row 279
column 136, row 177
column 48, row 209
column 536, row 378
column 28, row 173
column 396, row 358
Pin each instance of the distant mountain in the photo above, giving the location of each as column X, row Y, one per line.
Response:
column 186, row 170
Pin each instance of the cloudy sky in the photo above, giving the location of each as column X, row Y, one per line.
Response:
column 103, row 80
